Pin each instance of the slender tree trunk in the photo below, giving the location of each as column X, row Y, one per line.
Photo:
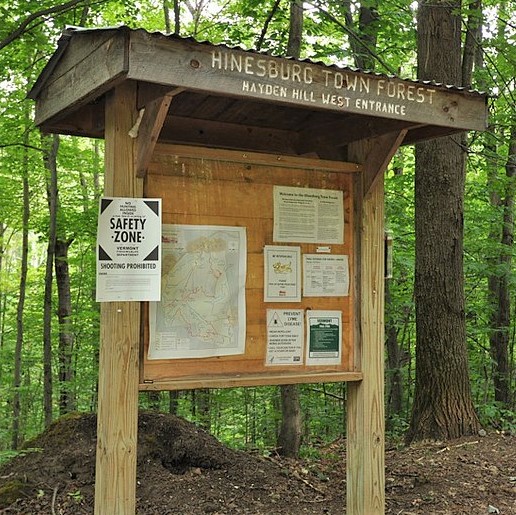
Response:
column 202, row 398
column 499, row 285
column 177, row 17
column 295, row 33
column 501, row 264
column 394, row 379
column 3, row 297
column 173, row 402
column 50, row 148
column 166, row 15
column 442, row 405
column 363, row 37
column 17, row 379
column 66, row 336
column 472, row 41
column 270, row 16
column 289, row 436
column 154, row 398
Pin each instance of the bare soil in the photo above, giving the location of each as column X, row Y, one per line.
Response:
column 183, row 470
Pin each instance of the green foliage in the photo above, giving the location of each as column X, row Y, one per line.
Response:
column 494, row 415
column 246, row 418
column 8, row 455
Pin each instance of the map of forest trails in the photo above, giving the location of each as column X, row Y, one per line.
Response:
column 202, row 308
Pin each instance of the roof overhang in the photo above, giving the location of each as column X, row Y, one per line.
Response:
column 233, row 98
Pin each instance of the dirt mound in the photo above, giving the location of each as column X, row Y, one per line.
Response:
column 182, row 470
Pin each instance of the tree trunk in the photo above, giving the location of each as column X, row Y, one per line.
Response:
column 166, row 14
column 394, row 380
column 289, row 438
column 3, row 296
column 16, row 427
column 177, row 17
column 201, row 407
column 499, row 284
column 50, row 149
column 295, row 33
column 173, row 402
column 471, row 42
column 66, row 336
column 362, row 40
column 442, row 407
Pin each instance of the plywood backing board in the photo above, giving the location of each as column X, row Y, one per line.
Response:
column 224, row 188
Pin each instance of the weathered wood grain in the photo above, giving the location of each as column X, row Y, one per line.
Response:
column 236, row 73
column 202, row 186
column 365, row 402
column 91, row 67
column 115, row 478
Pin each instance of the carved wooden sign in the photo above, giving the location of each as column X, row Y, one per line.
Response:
column 105, row 58
column 305, row 84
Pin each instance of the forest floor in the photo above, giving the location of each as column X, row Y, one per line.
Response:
column 183, row 470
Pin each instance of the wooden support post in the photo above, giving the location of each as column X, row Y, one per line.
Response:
column 365, row 403
column 117, row 425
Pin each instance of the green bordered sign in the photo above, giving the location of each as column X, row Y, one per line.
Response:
column 324, row 330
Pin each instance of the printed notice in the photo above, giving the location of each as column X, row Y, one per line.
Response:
column 324, row 337
column 202, row 309
column 284, row 337
column 129, row 250
column 308, row 215
column 282, row 277
column 325, row 275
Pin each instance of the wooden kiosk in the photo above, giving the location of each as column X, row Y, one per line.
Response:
column 213, row 131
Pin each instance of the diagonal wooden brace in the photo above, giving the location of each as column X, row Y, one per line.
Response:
column 148, row 127
column 380, row 156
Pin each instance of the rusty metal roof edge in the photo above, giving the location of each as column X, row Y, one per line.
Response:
column 70, row 30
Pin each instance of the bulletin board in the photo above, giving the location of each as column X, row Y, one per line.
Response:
column 209, row 187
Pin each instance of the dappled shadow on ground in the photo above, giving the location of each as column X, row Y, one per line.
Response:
column 183, row 470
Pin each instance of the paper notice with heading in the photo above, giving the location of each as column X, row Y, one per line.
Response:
column 308, row 215
column 325, row 275
column 282, row 273
column 285, row 337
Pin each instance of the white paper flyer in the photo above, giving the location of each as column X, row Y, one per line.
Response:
column 128, row 249
column 308, row 215
column 325, row 275
column 285, row 337
column 282, row 273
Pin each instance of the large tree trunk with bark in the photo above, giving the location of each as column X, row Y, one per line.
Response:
column 442, row 406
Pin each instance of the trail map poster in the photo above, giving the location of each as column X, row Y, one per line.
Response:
column 202, row 308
